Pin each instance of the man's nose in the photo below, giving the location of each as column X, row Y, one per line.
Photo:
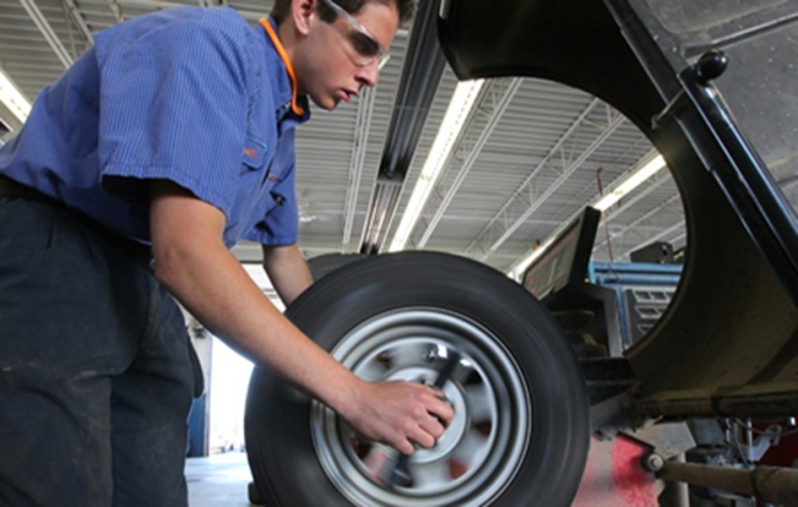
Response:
column 369, row 73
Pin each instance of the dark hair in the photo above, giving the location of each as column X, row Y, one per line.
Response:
column 406, row 8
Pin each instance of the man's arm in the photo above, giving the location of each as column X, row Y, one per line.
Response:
column 287, row 271
column 192, row 262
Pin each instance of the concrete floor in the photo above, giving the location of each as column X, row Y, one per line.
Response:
column 220, row 480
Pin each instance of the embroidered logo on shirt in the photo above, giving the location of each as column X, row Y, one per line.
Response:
column 250, row 152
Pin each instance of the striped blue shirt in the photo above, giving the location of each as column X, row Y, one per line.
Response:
column 191, row 95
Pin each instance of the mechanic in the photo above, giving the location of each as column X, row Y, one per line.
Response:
column 162, row 146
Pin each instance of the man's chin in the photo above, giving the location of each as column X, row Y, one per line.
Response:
column 328, row 104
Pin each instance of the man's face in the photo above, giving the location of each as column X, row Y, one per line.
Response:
column 339, row 58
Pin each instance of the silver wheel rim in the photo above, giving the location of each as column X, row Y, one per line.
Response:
column 481, row 450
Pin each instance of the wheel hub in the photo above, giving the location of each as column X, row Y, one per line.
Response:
column 481, row 448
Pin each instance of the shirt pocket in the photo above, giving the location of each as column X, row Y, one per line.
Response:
column 254, row 154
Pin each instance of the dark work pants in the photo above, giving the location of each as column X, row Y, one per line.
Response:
column 96, row 379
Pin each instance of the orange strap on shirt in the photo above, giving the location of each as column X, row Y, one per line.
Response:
column 296, row 108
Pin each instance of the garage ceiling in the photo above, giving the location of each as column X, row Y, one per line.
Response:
column 530, row 155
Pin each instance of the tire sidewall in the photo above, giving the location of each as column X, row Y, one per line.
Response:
column 558, row 438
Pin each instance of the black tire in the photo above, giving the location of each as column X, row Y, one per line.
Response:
column 523, row 430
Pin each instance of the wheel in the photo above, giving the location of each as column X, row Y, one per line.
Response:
column 520, row 434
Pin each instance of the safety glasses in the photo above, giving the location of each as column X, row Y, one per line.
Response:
column 366, row 49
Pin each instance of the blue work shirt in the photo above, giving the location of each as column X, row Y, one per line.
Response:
column 191, row 95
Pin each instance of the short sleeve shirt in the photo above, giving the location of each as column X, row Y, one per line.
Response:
column 195, row 96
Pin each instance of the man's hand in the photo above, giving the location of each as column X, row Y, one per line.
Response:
column 399, row 413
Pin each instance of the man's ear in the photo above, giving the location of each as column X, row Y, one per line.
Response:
column 301, row 12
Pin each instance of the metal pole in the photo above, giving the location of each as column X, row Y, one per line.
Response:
column 775, row 485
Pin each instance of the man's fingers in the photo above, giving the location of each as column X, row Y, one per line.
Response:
column 405, row 447
column 433, row 428
column 438, row 418
column 438, row 393
column 423, row 437
column 443, row 411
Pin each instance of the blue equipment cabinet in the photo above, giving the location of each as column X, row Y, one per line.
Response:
column 643, row 291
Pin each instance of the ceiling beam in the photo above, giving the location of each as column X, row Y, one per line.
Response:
column 74, row 13
column 118, row 6
column 47, row 31
column 117, row 10
column 529, row 197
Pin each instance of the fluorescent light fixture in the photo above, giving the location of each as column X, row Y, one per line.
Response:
column 633, row 181
column 12, row 98
column 463, row 99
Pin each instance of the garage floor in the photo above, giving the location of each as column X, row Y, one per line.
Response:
column 220, row 480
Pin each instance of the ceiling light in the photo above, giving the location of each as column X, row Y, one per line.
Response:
column 463, row 100
column 12, row 98
column 630, row 183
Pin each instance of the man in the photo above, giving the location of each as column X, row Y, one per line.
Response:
column 173, row 135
